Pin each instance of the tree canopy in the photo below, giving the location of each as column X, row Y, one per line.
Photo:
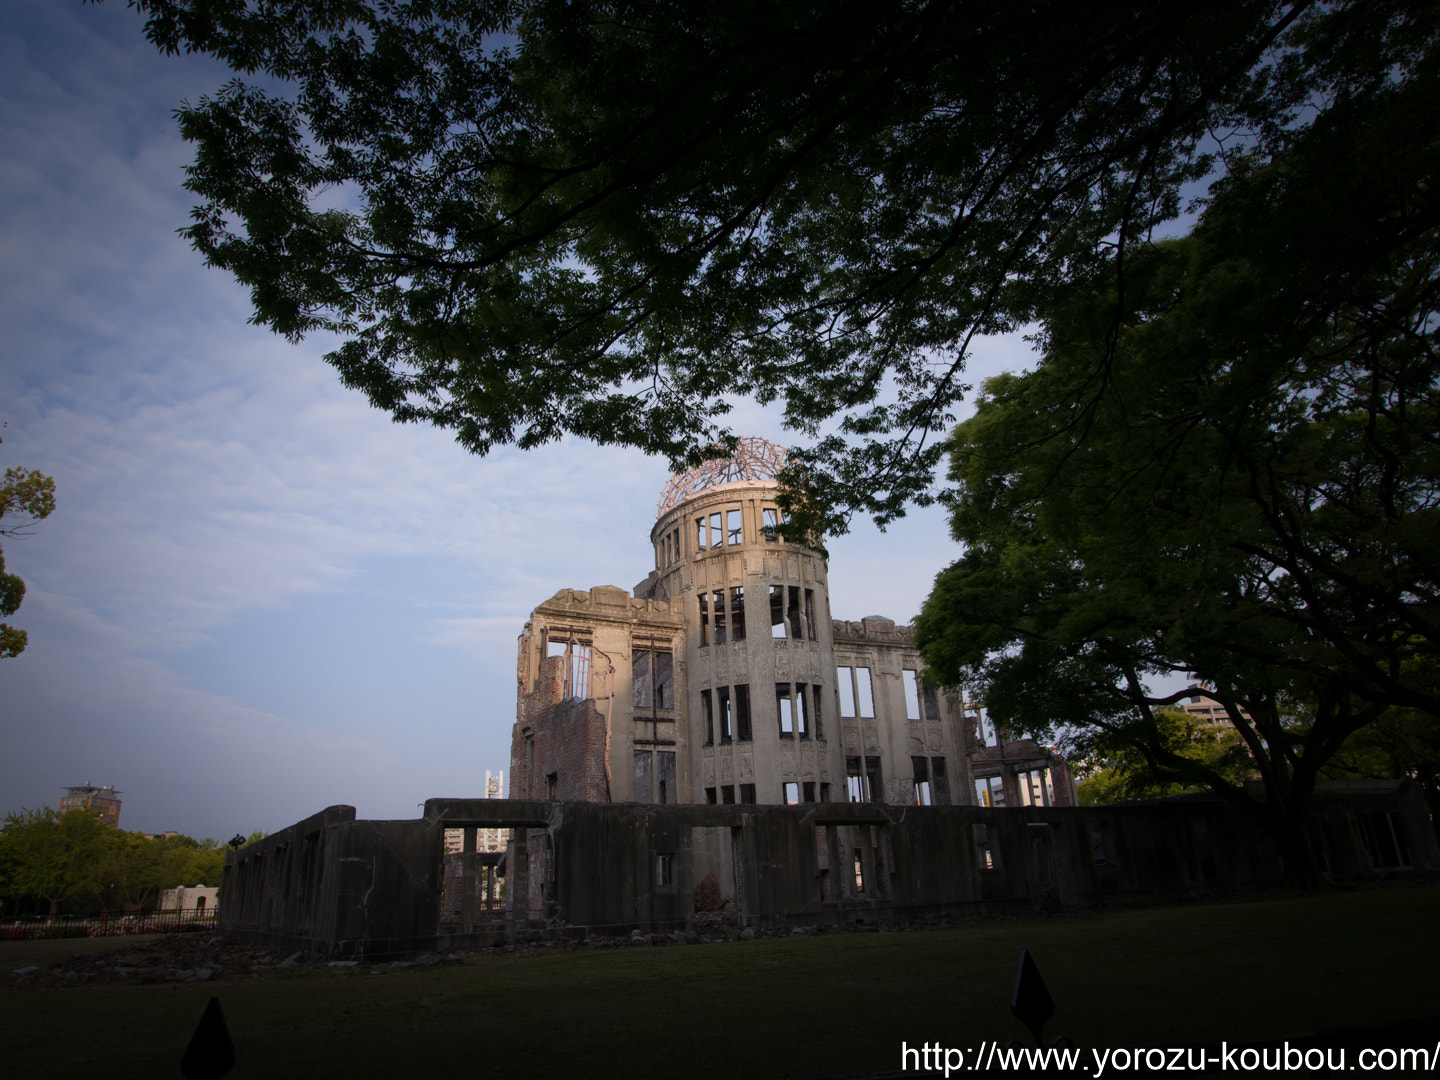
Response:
column 528, row 219
column 1226, row 464
column 74, row 860
column 26, row 496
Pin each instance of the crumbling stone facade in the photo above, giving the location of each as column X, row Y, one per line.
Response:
column 723, row 679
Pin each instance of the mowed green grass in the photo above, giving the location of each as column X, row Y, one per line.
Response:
column 797, row 1007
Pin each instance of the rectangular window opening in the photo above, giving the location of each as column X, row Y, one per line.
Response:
column 726, row 718
column 707, row 707
column 664, row 869
column 811, row 632
column 718, row 614
column 807, row 791
column 845, row 682
column 663, row 666
column 863, row 695
column 771, row 517
column 797, row 630
column 802, row 714
column 641, row 680
column 742, row 714
column 777, row 611
column 923, row 796
column 734, row 534
column 912, row 694
column 783, row 709
column 727, row 795
column 747, row 794
column 792, row 793
column 737, row 613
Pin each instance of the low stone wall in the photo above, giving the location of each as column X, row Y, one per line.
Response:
column 334, row 886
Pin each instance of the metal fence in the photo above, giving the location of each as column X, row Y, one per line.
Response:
column 105, row 924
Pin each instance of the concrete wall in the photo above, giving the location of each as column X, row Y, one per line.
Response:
column 334, row 886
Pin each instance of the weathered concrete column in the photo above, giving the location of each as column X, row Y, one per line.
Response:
column 467, row 878
column 519, row 885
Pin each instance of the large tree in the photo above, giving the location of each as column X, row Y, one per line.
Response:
column 26, row 496
column 52, row 856
column 527, row 218
column 1227, row 464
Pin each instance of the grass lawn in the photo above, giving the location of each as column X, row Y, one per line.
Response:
column 797, row 1007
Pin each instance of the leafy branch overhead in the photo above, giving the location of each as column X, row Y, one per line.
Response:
column 26, row 497
column 528, row 219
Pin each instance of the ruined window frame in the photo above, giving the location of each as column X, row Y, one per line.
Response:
column 724, row 716
column 811, row 627
column 1033, row 789
column 710, row 796
column 865, row 693
column 857, row 781
column 707, row 709
column 747, row 794
column 663, row 669
column 642, row 684
column 920, row 767
column 777, row 612
column 704, row 599
column 741, row 698
column 845, row 686
column 667, row 782
column 807, row 791
column 734, row 526
column 795, row 620
column 784, row 711
column 910, row 682
column 727, row 794
column 874, row 774
column 790, row 792
column 717, row 616
column 802, row 711
column 819, row 710
column 770, row 515
column 737, row 613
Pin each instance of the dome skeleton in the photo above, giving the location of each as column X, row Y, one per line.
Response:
column 754, row 459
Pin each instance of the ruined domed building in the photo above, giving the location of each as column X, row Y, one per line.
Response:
column 723, row 678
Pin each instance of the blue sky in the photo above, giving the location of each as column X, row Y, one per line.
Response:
column 258, row 596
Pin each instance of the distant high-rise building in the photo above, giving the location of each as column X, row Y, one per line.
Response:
column 87, row 795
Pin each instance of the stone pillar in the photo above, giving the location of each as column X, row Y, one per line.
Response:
column 467, row 879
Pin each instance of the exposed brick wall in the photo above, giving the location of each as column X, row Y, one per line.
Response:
column 569, row 741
